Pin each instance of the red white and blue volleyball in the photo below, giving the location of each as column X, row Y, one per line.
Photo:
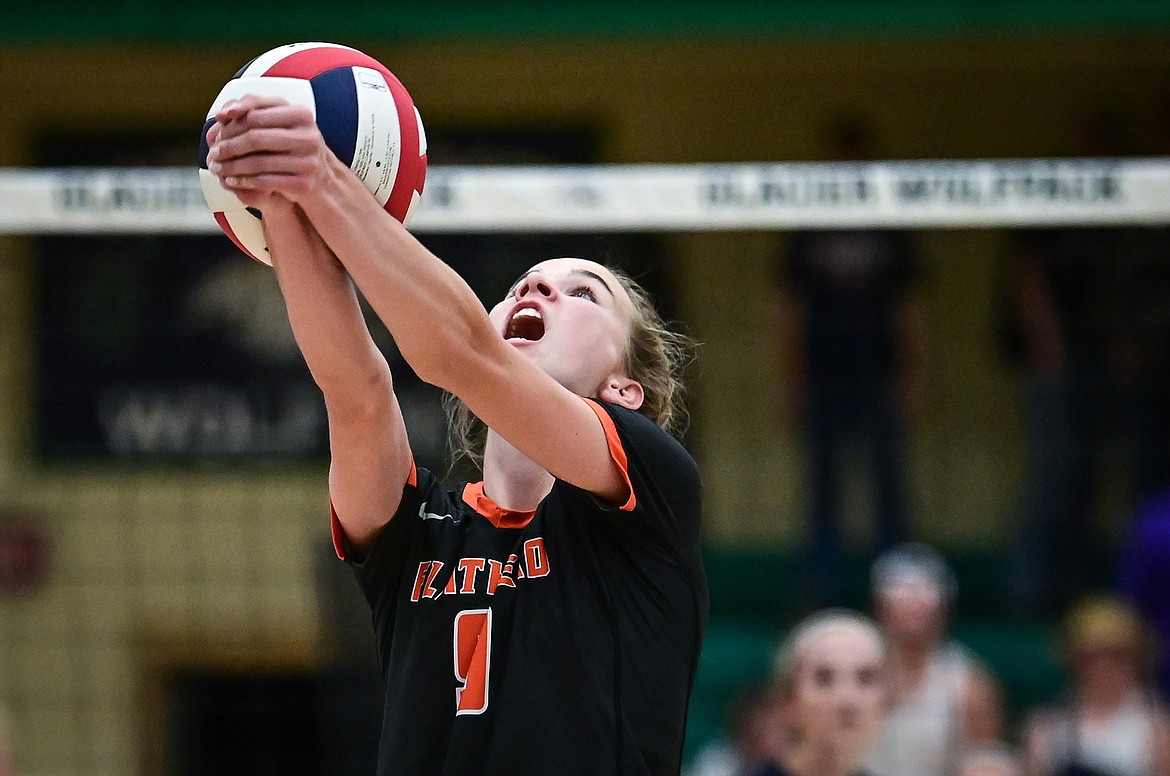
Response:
column 365, row 114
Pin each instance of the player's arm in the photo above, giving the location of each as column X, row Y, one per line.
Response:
column 369, row 453
column 444, row 332
column 439, row 324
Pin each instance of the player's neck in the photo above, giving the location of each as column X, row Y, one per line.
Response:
column 510, row 478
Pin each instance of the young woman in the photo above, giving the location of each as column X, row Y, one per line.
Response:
column 944, row 700
column 547, row 619
column 1111, row 723
column 832, row 677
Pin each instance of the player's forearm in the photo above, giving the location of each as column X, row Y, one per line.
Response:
column 438, row 323
column 324, row 312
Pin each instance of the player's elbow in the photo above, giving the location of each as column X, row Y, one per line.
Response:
column 362, row 398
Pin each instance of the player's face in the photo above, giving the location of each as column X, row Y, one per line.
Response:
column 572, row 317
column 840, row 692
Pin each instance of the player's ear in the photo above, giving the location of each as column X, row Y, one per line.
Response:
column 623, row 391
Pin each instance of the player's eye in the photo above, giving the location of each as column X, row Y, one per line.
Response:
column 584, row 292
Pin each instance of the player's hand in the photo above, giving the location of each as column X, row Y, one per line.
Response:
column 259, row 146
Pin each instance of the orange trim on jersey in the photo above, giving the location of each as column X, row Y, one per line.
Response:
column 497, row 515
column 616, row 451
column 337, row 532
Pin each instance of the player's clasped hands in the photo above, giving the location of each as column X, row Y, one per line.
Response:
column 263, row 145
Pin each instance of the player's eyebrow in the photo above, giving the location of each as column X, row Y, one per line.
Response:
column 595, row 276
column 585, row 272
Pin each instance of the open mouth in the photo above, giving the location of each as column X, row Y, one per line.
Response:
column 525, row 324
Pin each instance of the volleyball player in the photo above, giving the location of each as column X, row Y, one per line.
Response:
column 548, row 619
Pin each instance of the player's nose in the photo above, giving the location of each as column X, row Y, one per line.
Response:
column 534, row 283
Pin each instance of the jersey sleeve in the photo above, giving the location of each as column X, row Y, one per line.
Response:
column 379, row 569
column 665, row 488
column 341, row 545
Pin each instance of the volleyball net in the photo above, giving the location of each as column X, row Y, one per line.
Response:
column 680, row 197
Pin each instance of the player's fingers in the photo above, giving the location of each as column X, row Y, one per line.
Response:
column 267, row 129
column 255, row 165
column 242, row 124
column 250, row 188
column 213, row 133
column 233, row 109
column 275, row 115
column 280, row 115
column 244, row 191
column 245, row 123
column 265, row 141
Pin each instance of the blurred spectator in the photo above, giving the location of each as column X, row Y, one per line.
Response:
column 831, row 680
column 1056, row 283
column 1144, row 574
column 1142, row 358
column 1145, row 261
column 943, row 699
column 1069, row 325
column 848, row 302
column 753, row 736
column 1144, row 562
column 997, row 759
column 1110, row 724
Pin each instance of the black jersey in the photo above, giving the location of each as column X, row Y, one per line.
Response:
column 561, row 641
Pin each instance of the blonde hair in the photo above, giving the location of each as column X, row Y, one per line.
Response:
column 792, row 651
column 1107, row 620
column 656, row 358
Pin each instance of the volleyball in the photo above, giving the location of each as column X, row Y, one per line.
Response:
column 365, row 115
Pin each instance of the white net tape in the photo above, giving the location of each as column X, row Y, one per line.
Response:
column 683, row 197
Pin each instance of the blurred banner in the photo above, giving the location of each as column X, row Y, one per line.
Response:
column 966, row 193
